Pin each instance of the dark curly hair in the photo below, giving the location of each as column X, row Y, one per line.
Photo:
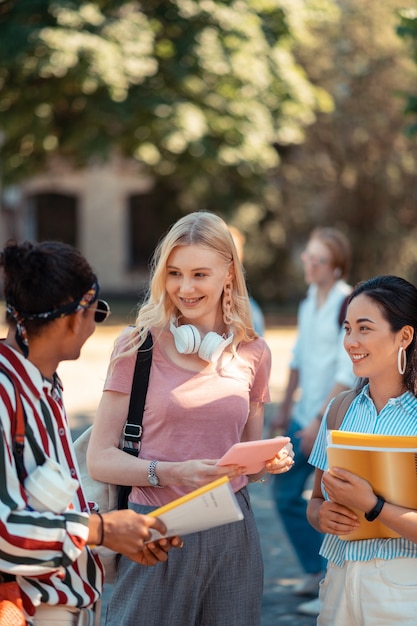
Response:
column 41, row 277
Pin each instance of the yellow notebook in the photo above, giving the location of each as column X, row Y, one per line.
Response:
column 387, row 462
column 212, row 505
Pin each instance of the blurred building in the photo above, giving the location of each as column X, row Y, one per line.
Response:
column 109, row 212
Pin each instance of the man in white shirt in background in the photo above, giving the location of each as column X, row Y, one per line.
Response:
column 319, row 370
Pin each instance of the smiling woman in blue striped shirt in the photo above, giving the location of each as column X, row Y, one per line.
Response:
column 371, row 582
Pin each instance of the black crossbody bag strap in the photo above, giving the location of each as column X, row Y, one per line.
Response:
column 132, row 431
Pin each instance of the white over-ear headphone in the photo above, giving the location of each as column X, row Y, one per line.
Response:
column 188, row 341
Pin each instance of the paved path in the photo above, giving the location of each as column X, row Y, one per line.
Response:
column 83, row 382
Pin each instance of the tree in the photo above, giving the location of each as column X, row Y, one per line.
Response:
column 277, row 114
column 407, row 29
column 197, row 91
column 201, row 93
column 357, row 167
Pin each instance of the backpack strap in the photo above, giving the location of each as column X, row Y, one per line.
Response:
column 19, row 429
column 339, row 407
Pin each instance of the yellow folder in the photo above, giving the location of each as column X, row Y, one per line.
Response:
column 387, row 462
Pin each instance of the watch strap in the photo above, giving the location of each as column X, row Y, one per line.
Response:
column 373, row 513
column 153, row 475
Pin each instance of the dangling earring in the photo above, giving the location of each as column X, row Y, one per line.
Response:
column 227, row 304
column 402, row 360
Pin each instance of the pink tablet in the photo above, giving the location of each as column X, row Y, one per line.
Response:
column 253, row 454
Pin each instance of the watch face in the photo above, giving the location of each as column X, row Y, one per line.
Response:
column 153, row 480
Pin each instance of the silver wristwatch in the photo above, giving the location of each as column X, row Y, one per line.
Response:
column 153, row 479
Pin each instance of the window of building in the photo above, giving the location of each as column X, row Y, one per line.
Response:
column 149, row 217
column 54, row 216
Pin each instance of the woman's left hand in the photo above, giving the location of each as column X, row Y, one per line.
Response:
column 348, row 489
column 282, row 462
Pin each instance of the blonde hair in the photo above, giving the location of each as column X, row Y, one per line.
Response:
column 239, row 240
column 204, row 229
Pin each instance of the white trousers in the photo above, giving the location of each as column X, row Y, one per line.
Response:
column 371, row 593
column 47, row 615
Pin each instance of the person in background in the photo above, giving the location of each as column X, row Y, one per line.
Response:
column 48, row 530
column 207, row 388
column 258, row 318
column 319, row 370
column 370, row 582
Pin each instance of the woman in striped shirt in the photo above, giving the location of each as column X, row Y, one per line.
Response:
column 371, row 581
column 46, row 524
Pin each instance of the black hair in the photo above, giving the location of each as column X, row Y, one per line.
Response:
column 397, row 301
column 40, row 277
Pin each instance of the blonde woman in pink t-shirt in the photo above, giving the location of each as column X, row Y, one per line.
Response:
column 208, row 384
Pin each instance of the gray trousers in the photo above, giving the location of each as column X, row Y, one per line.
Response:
column 216, row 579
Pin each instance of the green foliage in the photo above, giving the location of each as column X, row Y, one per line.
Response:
column 407, row 29
column 204, row 94
column 357, row 168
column 192, row 89
column 277, row 114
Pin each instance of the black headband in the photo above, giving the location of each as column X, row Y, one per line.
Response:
column 83, row 302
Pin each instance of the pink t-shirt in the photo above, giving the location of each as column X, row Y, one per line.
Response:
column 193, row 415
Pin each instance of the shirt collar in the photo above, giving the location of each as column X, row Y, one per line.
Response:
column 26, row 371
column 406, row 399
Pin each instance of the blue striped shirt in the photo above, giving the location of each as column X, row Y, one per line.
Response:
column 398, row 417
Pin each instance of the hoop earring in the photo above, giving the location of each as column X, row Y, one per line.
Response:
column 401, row 360
column 227, row 304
